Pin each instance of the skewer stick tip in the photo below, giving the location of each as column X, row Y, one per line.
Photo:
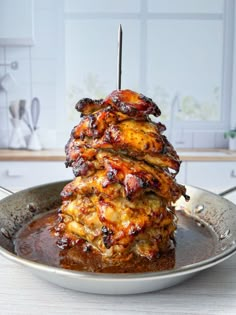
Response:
column 119, row 57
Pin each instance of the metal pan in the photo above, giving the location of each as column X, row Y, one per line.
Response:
column 217, row 214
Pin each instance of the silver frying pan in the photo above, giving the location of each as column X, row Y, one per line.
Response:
column 215, row 229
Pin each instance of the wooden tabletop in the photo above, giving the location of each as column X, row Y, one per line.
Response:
column 59, row 155
column 210, row 292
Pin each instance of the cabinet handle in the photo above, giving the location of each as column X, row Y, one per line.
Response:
column 232, row 174
column 13, row 173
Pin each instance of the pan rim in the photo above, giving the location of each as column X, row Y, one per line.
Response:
column 183, row 270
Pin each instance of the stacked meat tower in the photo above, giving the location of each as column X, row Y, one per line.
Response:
column 120, row 202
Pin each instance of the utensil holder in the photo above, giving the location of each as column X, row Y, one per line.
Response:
column 34, row 142
column 17, row 140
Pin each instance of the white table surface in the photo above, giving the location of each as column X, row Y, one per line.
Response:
column 212, row 291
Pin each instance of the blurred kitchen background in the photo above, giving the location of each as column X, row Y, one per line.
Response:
column 181, row 53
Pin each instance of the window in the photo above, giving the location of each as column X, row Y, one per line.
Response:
column 180, row 53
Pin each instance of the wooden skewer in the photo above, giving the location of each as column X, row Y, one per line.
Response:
column 119, row 57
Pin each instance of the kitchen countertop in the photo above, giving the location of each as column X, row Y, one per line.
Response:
column 59, row 155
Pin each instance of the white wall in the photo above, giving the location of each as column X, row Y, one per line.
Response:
column 40, row 73
column 233, row 106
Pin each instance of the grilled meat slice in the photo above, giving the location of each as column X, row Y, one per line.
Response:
column 126, row 177
column 132, row 103
column 141, row 140
column 126, row 101
column 94, row 125
column 137, row 177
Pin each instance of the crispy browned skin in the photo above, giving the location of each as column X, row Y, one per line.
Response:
column 125, row 183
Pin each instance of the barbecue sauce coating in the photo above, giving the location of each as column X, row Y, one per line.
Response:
column 124, row 182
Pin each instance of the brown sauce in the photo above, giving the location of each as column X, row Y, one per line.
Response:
column 36, row 242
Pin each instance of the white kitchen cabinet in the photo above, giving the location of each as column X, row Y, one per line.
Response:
column 16, row 23
column 213, row 176
column 20, row 175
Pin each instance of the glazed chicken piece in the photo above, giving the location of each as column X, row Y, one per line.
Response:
column 131, row 178
column 124, row 101
column 137, row 177
column 96, row 124
column 81, row 157
column 120, row 201
column 142, row 140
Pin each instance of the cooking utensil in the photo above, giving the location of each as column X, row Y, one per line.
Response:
column 26, row 120
column 217, row 214
column 18, row 111
column 14, row 109
column 34, row 142
column 35, row 111
column 17, row 140
column 21, row 108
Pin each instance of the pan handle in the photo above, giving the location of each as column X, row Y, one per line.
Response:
column 4, row 192
column 227, row 191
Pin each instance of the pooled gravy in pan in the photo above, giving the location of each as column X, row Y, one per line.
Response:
column 37, row 242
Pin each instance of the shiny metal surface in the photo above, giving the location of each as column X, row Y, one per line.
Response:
column 216, row 212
